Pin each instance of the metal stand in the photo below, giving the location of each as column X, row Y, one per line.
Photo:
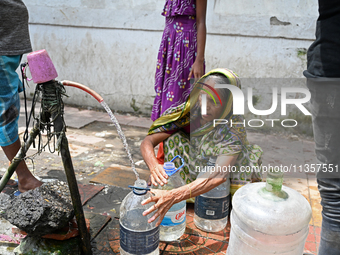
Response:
column 51, row 116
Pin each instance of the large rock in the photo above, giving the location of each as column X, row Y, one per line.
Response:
column 4, row 202
column 42, row 210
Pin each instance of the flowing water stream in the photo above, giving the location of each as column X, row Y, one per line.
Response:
column 122, row 136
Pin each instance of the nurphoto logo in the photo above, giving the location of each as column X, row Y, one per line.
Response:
column 239, row 102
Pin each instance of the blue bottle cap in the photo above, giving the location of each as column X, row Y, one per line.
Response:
column 169, row 168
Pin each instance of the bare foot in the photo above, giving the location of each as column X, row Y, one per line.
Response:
column 26, row 184
column 25, row 178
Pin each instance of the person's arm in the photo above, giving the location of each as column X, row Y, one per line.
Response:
column 157, row 172
column 164, row 199
column 197, row 69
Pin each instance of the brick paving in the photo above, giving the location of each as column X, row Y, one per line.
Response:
column 195, row 241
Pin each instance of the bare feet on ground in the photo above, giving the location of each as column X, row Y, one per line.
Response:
column 26, row 184
column 25, row 178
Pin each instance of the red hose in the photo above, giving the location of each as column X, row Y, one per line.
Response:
column 83, row 87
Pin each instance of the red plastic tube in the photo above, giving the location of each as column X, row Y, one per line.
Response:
column 83, row 87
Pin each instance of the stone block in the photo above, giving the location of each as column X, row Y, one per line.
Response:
column 43, row 210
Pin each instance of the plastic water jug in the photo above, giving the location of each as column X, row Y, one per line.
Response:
column 137, row 236
column 212, row 208
column 174, row 222
column 268, row 218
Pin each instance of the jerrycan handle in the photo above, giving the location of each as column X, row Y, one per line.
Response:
column 139, row 190
column 175, row 170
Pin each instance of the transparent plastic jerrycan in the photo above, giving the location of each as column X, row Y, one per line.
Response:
column 268, row 218
column 137, row 236
column 212, row 208
column 174, row 222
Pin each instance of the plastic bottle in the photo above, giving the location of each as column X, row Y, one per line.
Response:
column 268, row 218
column 137, row 236
column 174, row 222
column 212, row 208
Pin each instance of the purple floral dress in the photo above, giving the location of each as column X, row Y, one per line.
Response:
column 176, row 55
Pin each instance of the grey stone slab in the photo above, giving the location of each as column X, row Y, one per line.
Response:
column 141, row 122
column 126, row 119
column 108, row 201
column 255, row 138
column 84, row 138
column 75, row 150
column 103, row 117
column 286, row 153
column 309, row 152
column 122, row 119
column 78, row 119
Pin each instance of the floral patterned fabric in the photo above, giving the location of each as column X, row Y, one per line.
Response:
column 249, row 158
column 176, row 55
column 208, row 141
column 179, row 7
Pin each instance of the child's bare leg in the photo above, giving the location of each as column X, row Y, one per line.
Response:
column 26, row 180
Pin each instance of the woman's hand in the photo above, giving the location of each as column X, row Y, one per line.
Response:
column 197, row 69
column 163, row 200
column 148, row 153
column 158, row 175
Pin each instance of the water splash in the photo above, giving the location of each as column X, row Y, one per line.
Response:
column 122, row 136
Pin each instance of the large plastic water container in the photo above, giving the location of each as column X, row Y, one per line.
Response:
column 137, row 236
column 212, row 208
column 268, row 218
column 174, row 222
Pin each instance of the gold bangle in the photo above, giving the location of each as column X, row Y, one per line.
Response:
column 190, row 191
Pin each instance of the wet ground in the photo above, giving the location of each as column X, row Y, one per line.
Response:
column 99, row 159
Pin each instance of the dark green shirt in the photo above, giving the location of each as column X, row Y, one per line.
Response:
column 14, row 35
column 323, row 57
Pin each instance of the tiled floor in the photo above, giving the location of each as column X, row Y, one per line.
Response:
column 195, row 241
column 313, row 239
